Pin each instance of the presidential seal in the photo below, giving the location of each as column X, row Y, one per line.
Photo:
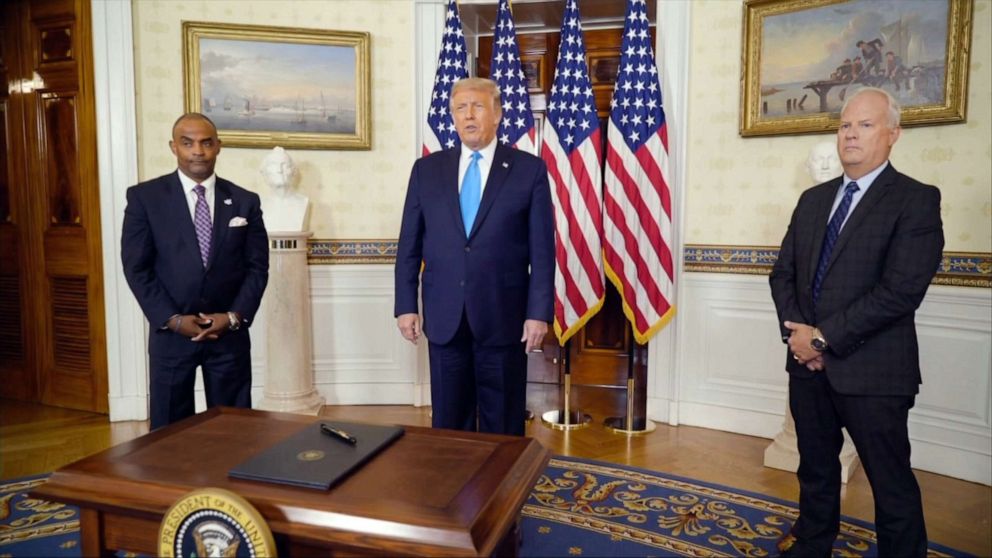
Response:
column 212, row 522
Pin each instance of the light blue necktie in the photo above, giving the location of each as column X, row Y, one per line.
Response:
column 471, row 193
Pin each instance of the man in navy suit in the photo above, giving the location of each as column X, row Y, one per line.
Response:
column 196, row 256
column 478, row 234
column 854, row 266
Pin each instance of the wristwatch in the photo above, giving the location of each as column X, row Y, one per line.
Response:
column 818, row 343
column 234, row 322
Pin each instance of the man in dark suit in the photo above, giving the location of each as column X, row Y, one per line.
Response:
column 854, row 266
column 480, row 219
column 196, row 256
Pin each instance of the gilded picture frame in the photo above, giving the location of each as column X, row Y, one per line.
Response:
column 267, row 86
column 800, row 58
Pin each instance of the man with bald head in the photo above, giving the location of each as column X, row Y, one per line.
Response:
column 854, row 266
column 196, row 257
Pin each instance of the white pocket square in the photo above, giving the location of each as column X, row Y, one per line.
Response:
column 238, row 222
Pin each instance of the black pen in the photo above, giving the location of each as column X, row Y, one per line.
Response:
column 338, row 433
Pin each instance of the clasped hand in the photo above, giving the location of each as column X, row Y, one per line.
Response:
column 201, row 327
column 800, row 343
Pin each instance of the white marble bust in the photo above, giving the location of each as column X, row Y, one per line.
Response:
column 823, row 163
column 285, row 210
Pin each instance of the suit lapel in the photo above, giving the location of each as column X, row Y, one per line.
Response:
column 498, row 172
column 820, row 219
column 223, row 211
column 179, row 207
column 449, row 182
column 874, row 194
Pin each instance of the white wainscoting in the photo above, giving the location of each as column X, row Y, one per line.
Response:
column 731, row 375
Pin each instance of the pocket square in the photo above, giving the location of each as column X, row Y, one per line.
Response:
column 238, row 222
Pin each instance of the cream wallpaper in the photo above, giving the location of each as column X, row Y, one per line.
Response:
column 353, row 194
column 742, row 191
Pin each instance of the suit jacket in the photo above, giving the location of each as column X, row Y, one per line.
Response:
column 500, row 274
column 162, row 261
column 879, row 270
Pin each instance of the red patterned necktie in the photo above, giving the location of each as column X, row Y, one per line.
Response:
column 203, row 223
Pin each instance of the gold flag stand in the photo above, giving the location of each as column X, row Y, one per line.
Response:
column 566, row 418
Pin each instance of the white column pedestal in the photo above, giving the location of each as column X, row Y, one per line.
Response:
column 289, row 341
column 783, row 452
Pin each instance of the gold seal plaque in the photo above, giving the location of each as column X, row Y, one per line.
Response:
column 214, row 522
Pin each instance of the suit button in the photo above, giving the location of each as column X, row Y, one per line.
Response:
column 461, row 283
column 468, row 248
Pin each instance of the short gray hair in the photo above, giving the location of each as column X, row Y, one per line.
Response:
column 475, row 84
column 894, row 110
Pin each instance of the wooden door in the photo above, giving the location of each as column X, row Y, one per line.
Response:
column 51, row 306
column 601, row 353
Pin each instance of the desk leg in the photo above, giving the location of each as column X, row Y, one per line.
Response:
column 510, row 545
column 91, row 533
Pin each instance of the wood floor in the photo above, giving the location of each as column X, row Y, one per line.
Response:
column 36, row 439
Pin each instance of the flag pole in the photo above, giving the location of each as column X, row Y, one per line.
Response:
column 627, row 424
column 566, row 418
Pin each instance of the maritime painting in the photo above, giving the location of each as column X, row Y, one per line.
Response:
column 266, row 86
column 283, row 87
column 804, row 59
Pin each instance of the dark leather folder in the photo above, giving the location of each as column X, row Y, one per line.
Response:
column 313, row 459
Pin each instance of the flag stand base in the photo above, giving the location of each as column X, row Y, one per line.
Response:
column 566, row 419
column 628, row 425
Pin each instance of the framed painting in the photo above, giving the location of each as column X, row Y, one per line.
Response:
column 802, row 58
column 267, row 86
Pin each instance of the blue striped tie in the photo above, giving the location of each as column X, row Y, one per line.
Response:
column 471, row 193
column 833, row 231
column 203, row 223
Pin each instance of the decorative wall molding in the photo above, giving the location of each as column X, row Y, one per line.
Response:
column 959, row 269
column 732, row 369
column 351, row 251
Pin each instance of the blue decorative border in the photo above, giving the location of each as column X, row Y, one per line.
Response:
column 351, row 251
column 963, row 269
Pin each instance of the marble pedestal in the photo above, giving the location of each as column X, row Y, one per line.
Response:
column 289, row 333
column 783, row 452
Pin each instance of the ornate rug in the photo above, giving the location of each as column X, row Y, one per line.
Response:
column 578, row 508
column 593, row 508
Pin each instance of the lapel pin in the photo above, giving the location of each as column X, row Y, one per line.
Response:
column 506, row 165
column 227, row 201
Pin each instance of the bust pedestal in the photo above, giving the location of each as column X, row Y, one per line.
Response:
column 783, row 453
column 289, row 340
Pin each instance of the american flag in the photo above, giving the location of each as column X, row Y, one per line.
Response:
column 439, row 132
column 517, row 126
column 572, row 150
column 637, row 201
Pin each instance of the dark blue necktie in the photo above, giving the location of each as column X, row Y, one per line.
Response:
column 471, row 193
column 833, row 231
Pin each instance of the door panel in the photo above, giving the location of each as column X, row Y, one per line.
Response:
column 61, row 273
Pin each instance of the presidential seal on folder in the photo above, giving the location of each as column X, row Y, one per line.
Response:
column 320, row 455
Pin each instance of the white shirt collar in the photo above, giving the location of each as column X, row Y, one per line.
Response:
column 188, row 183
column 488, row 152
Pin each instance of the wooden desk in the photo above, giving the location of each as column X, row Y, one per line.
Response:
column 431, row 493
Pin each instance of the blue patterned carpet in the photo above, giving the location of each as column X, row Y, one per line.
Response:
column 578, row 508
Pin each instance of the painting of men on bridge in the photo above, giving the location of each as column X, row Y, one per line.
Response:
column 803, row 59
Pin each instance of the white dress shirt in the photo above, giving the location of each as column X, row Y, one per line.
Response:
column 864, row 183
column 189, row 184
column 485, row 163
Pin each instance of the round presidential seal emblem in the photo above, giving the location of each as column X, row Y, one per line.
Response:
column 212, row 522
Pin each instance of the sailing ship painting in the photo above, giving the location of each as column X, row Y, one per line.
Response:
column 279, row 87
column 897, row 45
